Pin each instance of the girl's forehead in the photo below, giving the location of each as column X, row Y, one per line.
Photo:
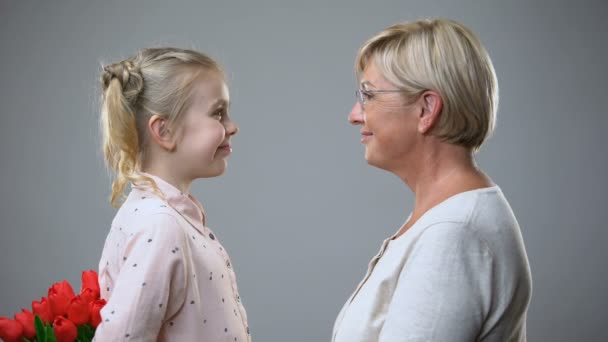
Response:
column 212, row 91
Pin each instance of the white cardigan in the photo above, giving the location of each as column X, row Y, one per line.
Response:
column 460, row 273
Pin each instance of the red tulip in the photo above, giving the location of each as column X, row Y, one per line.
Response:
column 26, row 318
column 89, row 295
column 43, row 309
column 64, row 329
column 90, row 281
column 95, row 308
column 60, row 295
column 10, row 331
column 78, row 311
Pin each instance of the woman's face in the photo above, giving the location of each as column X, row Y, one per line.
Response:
column 388, row 122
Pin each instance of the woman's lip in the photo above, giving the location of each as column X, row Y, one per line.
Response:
column 366, row 136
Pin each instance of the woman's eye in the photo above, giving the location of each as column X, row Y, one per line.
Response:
column 367, row 95
column 219, row 114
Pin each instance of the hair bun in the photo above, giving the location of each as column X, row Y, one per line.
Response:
column 127, row 74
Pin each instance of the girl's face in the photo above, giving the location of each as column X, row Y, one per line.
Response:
column 204, row 133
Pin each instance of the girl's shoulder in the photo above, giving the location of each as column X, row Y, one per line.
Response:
column 144, row 210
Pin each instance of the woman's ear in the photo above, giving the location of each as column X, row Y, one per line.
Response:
column 430, row 110
column 161, row 133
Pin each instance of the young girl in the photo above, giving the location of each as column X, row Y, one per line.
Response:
column 165, row 275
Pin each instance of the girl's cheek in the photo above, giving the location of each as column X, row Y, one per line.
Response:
column 221, row 132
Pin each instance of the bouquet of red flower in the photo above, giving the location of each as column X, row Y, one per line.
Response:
column 62, row 316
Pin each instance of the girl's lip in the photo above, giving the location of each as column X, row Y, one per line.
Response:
column 225, row 149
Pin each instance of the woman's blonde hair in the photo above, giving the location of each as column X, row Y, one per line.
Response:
column 444, row 56
column 156, row 81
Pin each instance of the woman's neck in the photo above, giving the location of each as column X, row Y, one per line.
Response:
column 439, row 174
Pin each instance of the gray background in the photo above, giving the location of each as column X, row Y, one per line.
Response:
column 299, row 209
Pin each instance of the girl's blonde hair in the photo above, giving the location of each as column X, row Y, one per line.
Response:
column 156, row 81
column 444, row 56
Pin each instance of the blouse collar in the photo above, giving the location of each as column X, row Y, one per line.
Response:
column 185, row 204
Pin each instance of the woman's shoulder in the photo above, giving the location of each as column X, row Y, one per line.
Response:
column 470, row 209
column 483, row 215
column 477, row 219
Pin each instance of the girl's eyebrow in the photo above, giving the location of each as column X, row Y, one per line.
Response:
column 220, row 103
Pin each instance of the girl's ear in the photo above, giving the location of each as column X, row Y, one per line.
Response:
column 161, row 133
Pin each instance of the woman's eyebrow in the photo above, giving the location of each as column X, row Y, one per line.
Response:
column 366, row 84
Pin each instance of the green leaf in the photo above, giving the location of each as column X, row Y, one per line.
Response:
column 50, row 334
column 90, row 332
column 85, row 333
column 40, row 329
column 24, row 339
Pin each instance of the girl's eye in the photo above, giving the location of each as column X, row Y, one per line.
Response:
column 219, row 114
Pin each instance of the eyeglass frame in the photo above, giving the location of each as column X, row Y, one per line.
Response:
column 359, row 93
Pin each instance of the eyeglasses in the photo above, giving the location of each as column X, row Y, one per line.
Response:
column 364, row 95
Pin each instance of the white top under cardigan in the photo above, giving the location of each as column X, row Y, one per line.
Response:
column 460, row 273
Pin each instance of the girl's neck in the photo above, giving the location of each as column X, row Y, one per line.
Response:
column 168, row 175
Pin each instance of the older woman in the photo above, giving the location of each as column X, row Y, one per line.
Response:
column 457, row 269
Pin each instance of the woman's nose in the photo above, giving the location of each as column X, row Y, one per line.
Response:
column 356, row 115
